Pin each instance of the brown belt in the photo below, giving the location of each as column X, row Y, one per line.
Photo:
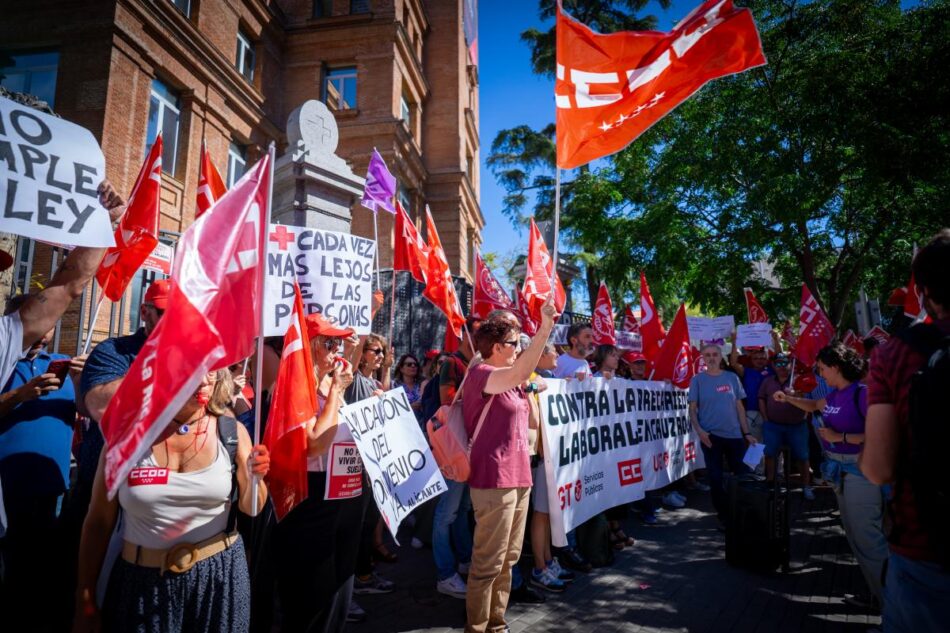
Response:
column 178, row 558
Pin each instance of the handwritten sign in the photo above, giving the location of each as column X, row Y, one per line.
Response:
column 334, row 270
column 49, row 172
column 710, row 329
column 754, row 335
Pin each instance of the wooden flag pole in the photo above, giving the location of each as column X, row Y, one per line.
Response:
column 259, row 363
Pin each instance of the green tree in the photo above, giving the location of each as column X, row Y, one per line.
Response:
column 828, row 163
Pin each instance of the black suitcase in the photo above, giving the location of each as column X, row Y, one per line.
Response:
column 757, row 530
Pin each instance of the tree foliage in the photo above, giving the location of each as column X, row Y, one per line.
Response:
column 827, row 164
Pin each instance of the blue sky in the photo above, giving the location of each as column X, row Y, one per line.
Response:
column 511, row 95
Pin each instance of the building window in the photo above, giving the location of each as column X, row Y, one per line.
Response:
column 404, row 199
column 405, row 111
column 23, row 269
column 359, row 6
column 237, row 163
column 339, row 88
column 322, row 8
column 184, row 6
column 31, row 73
column 244, row 57
column 164, row 113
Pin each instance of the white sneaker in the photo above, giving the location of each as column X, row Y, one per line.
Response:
column 672, row 500
column 452, row 586
column 416, row 543
column 679, row 496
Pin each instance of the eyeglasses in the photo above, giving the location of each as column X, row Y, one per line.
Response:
column 332, row 343
column 511, row 343
column 378, row 351
column 410, row 364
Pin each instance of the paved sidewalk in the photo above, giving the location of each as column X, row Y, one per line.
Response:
column 674, row 579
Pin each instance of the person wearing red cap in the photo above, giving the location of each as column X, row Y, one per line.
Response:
column 314, row 547
column 637, row 363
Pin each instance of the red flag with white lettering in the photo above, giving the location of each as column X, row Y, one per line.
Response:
column 630, row 323
column 487, row 294
column 293, row 404
column 674, row 361
column 537, row 279
column 602, row 321
column 754, row 308
column 440, row 288
column 212, row 318
column 528, row 325
column 210, row 185
column 652, row 331
column 879, row 333
column 610, row 88
column 137, row 234
column 853, row 341
column 815, row 330
column 409, row 251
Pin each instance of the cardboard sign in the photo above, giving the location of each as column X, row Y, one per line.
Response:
column 334, row 270
column 161, row 259
column 706, row 329
column 49, row 172
column 608, row 442
column 396, row 456
column 629, row 341
column 344, row 472
column 754, row 335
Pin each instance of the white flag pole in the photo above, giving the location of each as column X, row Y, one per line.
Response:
column 376, row 234
column 557, row 227
column 92, row 325
column 259, row 363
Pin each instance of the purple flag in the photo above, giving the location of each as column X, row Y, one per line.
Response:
column 380, row 186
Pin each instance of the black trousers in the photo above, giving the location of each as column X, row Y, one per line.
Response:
column 314, row 549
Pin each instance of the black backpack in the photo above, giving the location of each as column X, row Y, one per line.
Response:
column 228, row 433
column 929, row 421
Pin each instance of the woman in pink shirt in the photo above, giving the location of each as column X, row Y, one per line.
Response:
column 500, row 479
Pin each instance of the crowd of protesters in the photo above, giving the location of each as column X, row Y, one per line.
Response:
column 177, row 556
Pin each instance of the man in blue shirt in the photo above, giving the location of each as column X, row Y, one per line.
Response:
column 37, row 414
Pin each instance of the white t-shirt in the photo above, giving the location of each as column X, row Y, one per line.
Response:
column 568, row 366
column 11, row 345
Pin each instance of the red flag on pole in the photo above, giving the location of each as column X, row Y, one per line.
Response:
column 212, row 318
column 853, row 341
column 651, row 327
column 630, row 323
column 137, row 234
column 913, row 306
column 293, row 404
column 537, row 279
column 410, row 251
column 611, row 88
column 754, row 308
column 528, row 325
column 488, row 294
column 674, row 362
column 603, row 319
column 440, row 288
column 210, row 185
column 815, row 330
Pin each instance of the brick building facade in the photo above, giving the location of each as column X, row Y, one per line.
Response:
column 398, row 74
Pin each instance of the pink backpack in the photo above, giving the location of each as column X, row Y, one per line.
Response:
column 451, row 445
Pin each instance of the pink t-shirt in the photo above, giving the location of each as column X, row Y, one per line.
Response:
column 500, row 454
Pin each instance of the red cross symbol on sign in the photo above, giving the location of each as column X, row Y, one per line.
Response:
column 282, row 236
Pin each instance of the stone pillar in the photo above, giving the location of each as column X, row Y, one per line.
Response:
column 314, row 187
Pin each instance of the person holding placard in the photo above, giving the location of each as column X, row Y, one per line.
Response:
column 497, row 416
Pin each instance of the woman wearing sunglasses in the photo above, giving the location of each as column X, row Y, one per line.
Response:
column 784, row 425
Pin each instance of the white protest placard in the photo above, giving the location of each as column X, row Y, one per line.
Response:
column 710, row 329
column 607, row 442
column 49, row 172
column 629, row 341
column 754, row 335
column 160, row 260
column 397, row 459
column 334, row 270
column 559, row 334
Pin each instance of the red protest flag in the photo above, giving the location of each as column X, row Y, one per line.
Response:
column 602, row 322
column 913, row 306
column 293, row 404
column 137, row 234
column 440, row 288
column 487, row 294
column 815, row 330
column 409, row 251
column 651, row 327
column 528, row 324
column 630, row 323
column 212, row 318
column 878, row 333
column 537, row 279
column 210, row 185
column 610, row 88
column 754, row 308
column 674, row 361
column 851, row 340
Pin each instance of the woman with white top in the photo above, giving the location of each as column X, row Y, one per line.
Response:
column 183, row 565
